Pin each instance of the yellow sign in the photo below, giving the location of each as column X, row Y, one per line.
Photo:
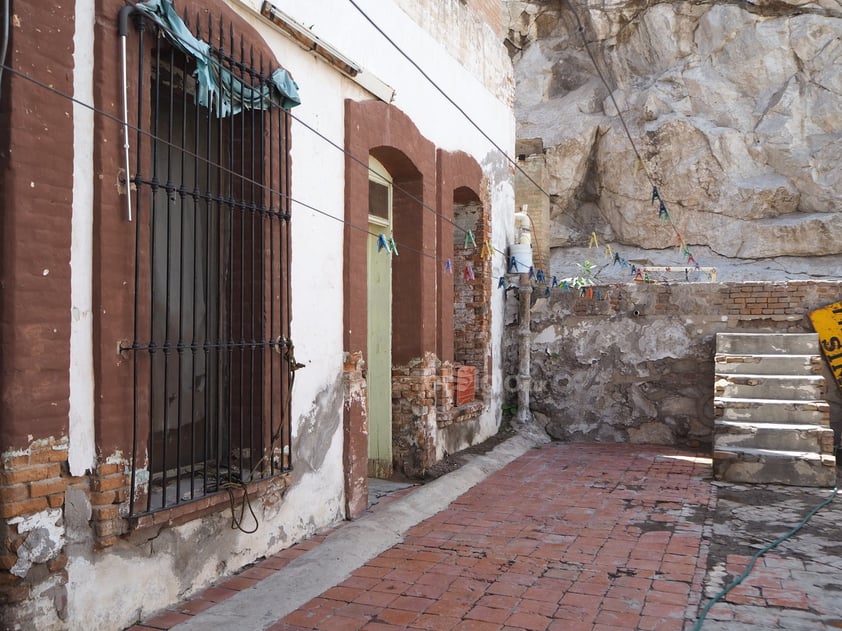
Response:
column 827, row 322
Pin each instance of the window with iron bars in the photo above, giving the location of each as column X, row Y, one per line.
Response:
column 211, row 350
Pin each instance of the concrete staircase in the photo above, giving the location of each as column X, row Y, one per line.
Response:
column 772, row 422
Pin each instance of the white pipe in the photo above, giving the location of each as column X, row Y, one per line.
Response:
column 524, row 378
column 126, row 129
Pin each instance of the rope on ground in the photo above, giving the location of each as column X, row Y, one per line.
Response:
column 757, row 555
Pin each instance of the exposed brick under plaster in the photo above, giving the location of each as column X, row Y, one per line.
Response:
column 423, row 402
column 35, row 480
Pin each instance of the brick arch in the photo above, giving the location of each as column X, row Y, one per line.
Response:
column 383, row 131
column 459, row 181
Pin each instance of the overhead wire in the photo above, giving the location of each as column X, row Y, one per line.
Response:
column 342, row 149
column 441, row 91
column 247, row 180
column 397, row 187
column 467, row 117
column 365, row 165
column 656, row 194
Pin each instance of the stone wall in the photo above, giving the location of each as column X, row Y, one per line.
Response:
column 634, row 362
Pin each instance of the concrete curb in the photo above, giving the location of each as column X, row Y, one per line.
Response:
column 349, row 547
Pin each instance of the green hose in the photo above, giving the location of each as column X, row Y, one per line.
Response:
column 757, row 555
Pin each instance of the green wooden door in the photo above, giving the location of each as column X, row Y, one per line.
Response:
column 379, row 304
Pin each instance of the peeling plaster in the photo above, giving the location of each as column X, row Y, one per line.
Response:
column 56, row 444
column 318, row 426
column 44, row 541
column 666, row 340
column 356, row 389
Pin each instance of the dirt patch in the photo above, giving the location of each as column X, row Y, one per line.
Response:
column 452, row 462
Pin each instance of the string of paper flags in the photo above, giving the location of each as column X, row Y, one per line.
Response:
column 486, row 252
column 539, row 276
column 638, row 273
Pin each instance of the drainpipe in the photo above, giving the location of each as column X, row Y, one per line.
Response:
column 524, row 378
column 522, row 252
column 4, row 45
column 123, row 26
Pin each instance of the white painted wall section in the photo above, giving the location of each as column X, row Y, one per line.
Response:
column 82, row 451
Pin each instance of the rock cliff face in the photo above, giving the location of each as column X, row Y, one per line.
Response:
column 734, row 107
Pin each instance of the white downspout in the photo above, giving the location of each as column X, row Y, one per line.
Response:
column 523, row 254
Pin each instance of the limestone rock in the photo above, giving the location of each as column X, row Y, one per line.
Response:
column 735, row 111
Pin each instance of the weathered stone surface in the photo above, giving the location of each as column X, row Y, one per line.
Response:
column 734, row 108
column 635, row 362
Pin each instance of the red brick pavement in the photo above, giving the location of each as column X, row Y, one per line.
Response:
column 570, row 536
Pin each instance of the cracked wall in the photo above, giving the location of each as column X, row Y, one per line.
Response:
column 634, row 362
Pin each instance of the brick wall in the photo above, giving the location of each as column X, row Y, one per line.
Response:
column 634, row 362
column 491, row 11
column 33, row 487
column 414, row 400
column 472, row 298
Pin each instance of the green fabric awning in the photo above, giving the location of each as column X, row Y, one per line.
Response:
column 219, row 90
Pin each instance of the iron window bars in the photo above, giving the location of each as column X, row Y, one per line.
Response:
column 211, row 351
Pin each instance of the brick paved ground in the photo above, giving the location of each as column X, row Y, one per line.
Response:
column 796, row 585
column 570, row 536
column 581, row 536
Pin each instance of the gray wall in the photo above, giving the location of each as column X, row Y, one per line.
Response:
column 634, row 362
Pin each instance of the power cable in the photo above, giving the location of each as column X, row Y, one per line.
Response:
column 228, row 171
column 655, row 191
column 663, row 212
column 449, row 99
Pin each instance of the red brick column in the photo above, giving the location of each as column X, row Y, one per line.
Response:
column 414, row 397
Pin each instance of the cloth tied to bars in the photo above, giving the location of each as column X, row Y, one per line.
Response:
column 219, row 90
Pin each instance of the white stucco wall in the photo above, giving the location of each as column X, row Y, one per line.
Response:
column 482, row 88
column 168, row 559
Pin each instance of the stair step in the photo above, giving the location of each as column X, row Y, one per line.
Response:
column 799, row 387
column 768, row 364
column 772, row 411
column 764, row 466
column 767, row 343
column 774, row 436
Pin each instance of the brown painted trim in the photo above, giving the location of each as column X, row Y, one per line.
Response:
column 379, row 129
column 36, row 192
column 114, row 237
